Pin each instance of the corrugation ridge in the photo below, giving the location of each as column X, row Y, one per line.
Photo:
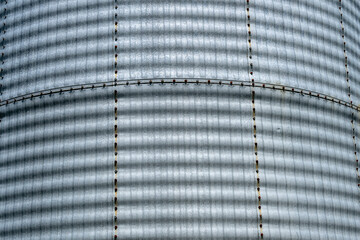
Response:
column 210, row 2
column 55, row 60
column 56, row 43
column 29, row 124
column 144, row 32
column 165, row 182
column 69, row 187
column 90, row 168
column 219, row 219
column 63, row 26
column 82, row 6
column 51, row 226
column 60, row 74
column 55, row 137
column 53, row 101
column 149, row 198
column 297, row 44
column 209, row 33
column 275, row 220
column 33, row 210
column 183, row 14
column 29, row 5
column 33, row 159
column 79, row 151
column 233, row 52
column 17, row 161
column 228, row 202
column 315, row 20
column 305, row 77
column 128, row 129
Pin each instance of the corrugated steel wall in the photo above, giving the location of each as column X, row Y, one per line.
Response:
column 149, row 119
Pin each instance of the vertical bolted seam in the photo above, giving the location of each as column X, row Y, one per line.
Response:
column 251, row 75
column 3, row 47
column 115, row 168
column 349, row 92
column 257, row 164
column 2, row 51
column 115, row 40
column 115, row 125
column 251, row 72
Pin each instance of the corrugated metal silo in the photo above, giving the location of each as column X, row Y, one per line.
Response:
column 154, row 119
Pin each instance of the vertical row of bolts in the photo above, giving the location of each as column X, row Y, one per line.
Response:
column 115, row 125
column 257, row 166
column 116, row 40
column 349, row 91
column 115, row 168
column 3, row 47
column 251, row 74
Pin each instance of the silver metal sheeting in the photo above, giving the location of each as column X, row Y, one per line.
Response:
column 186, row 159
column 186, row 165
column 56, row 160
column 307, row 168
column 294, row 43
column 351, row 9
column 56, row 43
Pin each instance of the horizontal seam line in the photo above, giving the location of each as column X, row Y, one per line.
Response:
column 185, row 81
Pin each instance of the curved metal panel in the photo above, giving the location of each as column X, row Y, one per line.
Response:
column 351, row 20
column 56, row 43
column 188, row 119
column 55, row 164
column 307, row 168
column 182, row 39
column 299, row 44
column 186, row 163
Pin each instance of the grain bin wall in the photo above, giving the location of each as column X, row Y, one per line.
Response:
column 233, row 119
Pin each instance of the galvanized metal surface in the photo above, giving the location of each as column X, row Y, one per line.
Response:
column 231, row 120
